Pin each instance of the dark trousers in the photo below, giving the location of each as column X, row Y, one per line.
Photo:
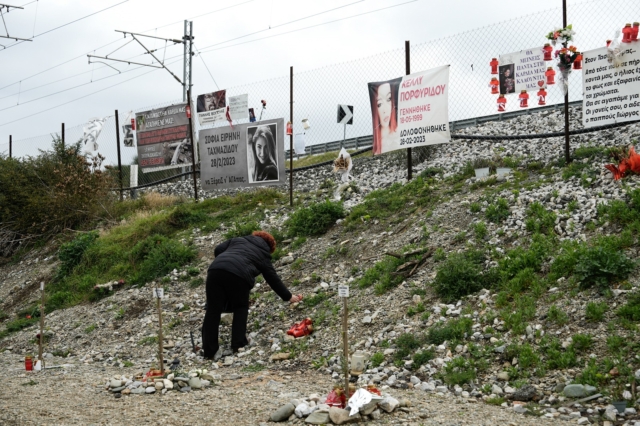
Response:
column 226, row 292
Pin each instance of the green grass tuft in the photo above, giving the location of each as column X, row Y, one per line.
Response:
column 315, row 219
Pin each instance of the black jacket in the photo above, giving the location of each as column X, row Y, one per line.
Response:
column 247, row 257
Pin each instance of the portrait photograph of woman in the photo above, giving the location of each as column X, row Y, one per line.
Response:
column 507, row 78
column 262, row 153
column 384, row 113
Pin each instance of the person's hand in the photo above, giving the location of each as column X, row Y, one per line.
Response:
column 295, row 298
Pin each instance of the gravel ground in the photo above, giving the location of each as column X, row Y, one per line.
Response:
column 76, row 396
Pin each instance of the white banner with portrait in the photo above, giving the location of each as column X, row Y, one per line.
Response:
column 410, row 111
column 211, row 107
column 250, row 154
column 522, row 70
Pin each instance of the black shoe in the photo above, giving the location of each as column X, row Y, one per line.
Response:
column 201, row 353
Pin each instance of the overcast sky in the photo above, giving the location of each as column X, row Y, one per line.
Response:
column 230, row 66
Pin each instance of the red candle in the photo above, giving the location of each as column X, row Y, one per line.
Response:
column 626, row 33
column 495, row 85
column 548, row 50
column 577, row 64
column 634, row 31
column 542, row 96
column 28, row 363
column 551, row 75
column 502, row 103
column 494, row 65
column 524, row 99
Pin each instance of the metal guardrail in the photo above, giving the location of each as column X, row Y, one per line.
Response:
column 364, row 141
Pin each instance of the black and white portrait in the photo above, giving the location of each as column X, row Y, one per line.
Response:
column 212, row 101
column 262, row 153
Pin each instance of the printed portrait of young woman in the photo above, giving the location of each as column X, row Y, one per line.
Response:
column 262, row 153
column 384, row 113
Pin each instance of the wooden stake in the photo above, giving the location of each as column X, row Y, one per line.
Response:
column 345, row 342
column 41, row 340
column 160, row 339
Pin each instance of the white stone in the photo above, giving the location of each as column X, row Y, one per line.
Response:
column 303, row 410
column 427, row 386
column 389, row 404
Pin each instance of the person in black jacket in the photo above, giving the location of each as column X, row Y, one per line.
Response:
column 230, row 278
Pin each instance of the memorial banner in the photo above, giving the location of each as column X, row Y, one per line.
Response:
column 128, row 139
column 410, row 111
column 523, row 70
column 211, row 107
column 163, row 138
column 248, row 154
column 611, row 95
column 239, row 107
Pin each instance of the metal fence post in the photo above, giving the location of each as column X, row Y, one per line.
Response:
column 291, row 137
column 193, row 149
column 119, row 158
column 407, row 54
column 567, row 155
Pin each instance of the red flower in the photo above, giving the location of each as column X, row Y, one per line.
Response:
column 613, row 169
column 624, row 166
column 634, row 161
column 28, row 316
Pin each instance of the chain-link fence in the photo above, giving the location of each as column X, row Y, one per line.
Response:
column 317, row 93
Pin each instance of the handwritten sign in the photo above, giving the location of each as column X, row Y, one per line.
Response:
column 343, row 291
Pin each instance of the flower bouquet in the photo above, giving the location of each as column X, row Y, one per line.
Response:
column 561, row 35
column 566, row 57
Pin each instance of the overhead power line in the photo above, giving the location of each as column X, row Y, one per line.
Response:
column 109, row 44
column 301, row 29
column 204, row 14
column 286, row 23
column 68, row 23
column 81, row 97
column 201, row 15
column 69, row 88
column 205, row 65
column 211, row 50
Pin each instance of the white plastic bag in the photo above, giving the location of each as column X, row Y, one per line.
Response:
column 343, row 165
column 359, row 399
column 614, row 50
